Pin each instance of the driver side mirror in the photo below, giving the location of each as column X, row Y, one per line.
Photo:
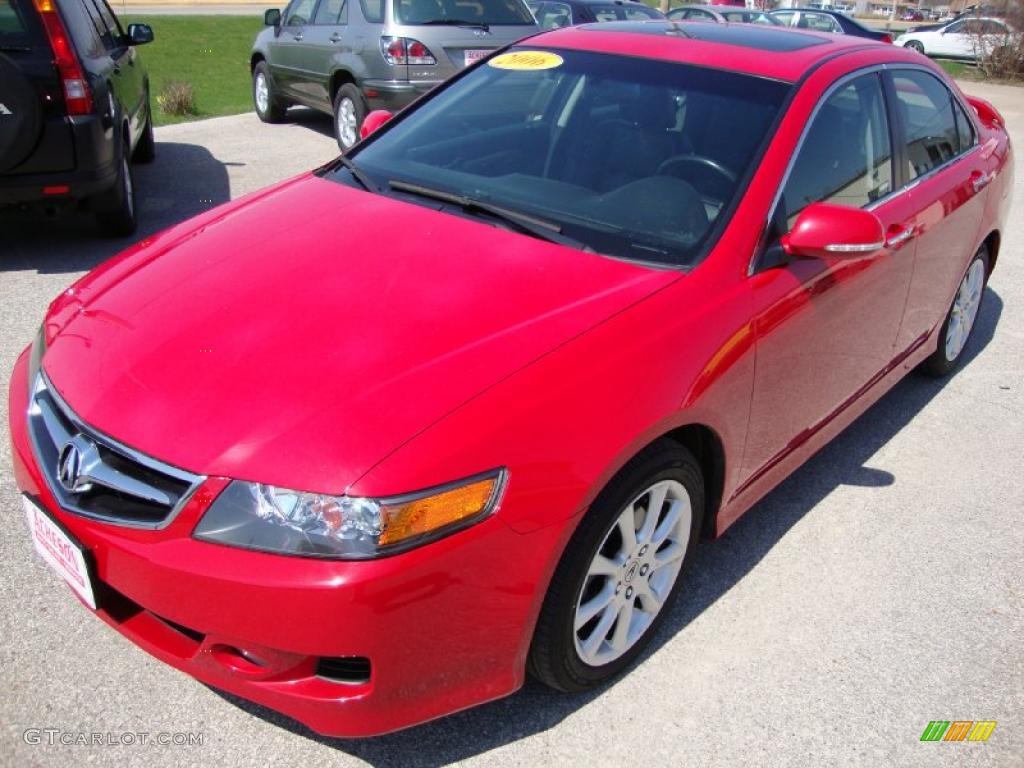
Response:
column 272, row 17
column 139, row 34
column 824, row 231
column 373, row 121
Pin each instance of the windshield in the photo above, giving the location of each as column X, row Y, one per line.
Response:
column 486, row 12
column 634, row 158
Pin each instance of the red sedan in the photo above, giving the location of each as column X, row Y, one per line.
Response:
column 368, row 446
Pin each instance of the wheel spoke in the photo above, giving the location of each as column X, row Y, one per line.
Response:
column 669, row 523
column 600, row 633
column 655, row 501
column 650, row 601
column 594, row 605
column 620, row 638
column 674, row 551
column 627, row 529
column 604, row 566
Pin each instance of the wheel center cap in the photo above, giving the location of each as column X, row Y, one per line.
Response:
column 631, row 571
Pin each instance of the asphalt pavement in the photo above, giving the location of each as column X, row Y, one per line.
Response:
column 877, row 589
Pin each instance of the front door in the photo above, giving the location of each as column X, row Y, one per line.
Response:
column 826, row 327
column 286, row 49
column 324, row 39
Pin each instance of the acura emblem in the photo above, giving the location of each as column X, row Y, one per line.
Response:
column 75, row 457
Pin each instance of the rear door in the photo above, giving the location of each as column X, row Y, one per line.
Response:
column 947, row 174
column 34, row 135
column 123, row 74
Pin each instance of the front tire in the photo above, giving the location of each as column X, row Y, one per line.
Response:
column 914, row 45
column 349, row 113
column 959, row 323
column 621, row 571
column 269, row 107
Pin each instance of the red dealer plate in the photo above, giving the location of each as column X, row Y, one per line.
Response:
column 57, row 548
column 475, row 55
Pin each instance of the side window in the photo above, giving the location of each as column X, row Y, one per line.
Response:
column 786, row 18
column 105, row 23
column 605, row 13
column 331, row 12
column 83, row 29
column 554, row 15
column 956, row 28
column 300, row 13
column 819, row 22
column 929, row 127
column 373, row 10
column 640, row 13
column 697, row 15
column 964, row 129
column 846, row 157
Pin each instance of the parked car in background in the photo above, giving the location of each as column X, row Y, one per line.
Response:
column 347, row 58
column 552, row 14
column 721, row 14
column 74, row 109
column 820, row 20
column 371, row 445
column 967, row 38
column 912, row 14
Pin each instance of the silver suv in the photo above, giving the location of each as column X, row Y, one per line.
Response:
column 347, row 57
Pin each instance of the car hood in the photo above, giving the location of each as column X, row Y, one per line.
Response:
column 298, row 337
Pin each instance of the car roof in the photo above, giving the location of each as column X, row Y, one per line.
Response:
column 738, row 47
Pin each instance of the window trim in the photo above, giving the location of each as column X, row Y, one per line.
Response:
column 900, row 183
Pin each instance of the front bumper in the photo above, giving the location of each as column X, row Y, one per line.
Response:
column 444, row 627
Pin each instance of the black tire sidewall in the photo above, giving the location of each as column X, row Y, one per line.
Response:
column 564, row 669
column 119, row 216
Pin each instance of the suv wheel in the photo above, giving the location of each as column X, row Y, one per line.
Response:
column 145, row 150
column 269, row 107
column 349, row 113
column 117, row 217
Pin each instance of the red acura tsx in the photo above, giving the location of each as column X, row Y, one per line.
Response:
column 368, row 446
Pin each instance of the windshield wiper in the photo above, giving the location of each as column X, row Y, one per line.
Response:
column 524, row 222
column 456, row 23
column 358, row 173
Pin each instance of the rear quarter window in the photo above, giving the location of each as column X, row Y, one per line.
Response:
column 18, row 23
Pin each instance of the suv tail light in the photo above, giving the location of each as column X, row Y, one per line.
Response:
column 77, row 97
column 405, row 50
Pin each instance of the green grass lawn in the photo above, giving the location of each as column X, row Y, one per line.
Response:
column 209, row 52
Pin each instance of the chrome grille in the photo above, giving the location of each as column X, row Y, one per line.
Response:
column 95, row 476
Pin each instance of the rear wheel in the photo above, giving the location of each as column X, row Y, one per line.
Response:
column 956, row 330
column 621, row 571
column 349, row 113
column 116, row 214
column 269, row 107
column 914, row 45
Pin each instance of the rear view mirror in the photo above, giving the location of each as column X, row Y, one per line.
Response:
column 272, row 17
column 825, row 231
column 140, row 34
column 373, row 121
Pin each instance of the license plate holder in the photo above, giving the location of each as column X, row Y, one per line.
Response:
column 61, row 551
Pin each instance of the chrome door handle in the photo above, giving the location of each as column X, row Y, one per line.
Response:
column 981, row 180
column 335, row 38
column 298, row 37
column 898, row 238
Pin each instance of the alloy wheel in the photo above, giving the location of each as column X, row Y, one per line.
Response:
column 346, row 122
column 965, row 310
column 632, row 573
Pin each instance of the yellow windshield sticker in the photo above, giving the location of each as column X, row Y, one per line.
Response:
column 527, row 60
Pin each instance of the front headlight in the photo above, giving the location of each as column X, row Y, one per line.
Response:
column 271, row 519
column 35, row 357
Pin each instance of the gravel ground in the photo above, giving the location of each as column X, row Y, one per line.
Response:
column 880, row 587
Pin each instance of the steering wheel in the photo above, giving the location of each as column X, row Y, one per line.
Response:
column 671, row 166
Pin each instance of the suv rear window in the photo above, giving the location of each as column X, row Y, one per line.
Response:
column 452, row 12
column 18, row 24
